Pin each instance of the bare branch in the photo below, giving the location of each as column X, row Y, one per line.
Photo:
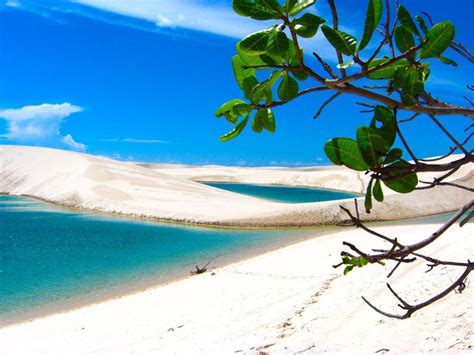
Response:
column 327, row 102
column 325, row 65
column 449, row 135
column 335, row 25
column 410, row 309
column 402, row 138
column 411, row 118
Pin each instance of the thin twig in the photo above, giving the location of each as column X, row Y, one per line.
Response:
column 325, row 65
column 335, row 25
column 449, row 135
column 327, row 102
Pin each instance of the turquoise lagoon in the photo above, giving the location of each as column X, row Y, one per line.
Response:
column 53, row 258
column 284, row 194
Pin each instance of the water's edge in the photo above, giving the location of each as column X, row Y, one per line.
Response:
column 152, row 283
column 127, row 290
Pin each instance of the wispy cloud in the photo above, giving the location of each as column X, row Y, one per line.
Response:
column 211, row 17
column 40, row 124
column 135, row 140
column 12, row 3
column 70, row 142
column 188, row 14
column 163, row 16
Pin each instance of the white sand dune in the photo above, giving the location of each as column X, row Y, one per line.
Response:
column 168, row 193
column 284, row 301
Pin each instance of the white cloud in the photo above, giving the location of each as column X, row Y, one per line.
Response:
column 70, row 142
column 212, row 17
column 40, row 124
column 189, row 14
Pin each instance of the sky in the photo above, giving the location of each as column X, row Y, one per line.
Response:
column 140, row 80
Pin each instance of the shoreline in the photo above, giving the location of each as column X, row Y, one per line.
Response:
column 145, row 219
column 148, row 285
column 167, row 193
column 185, row 223
column 284, row 300
column 298, row 185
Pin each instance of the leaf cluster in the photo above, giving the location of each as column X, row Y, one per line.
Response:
column 373, row 150
column 352, row 262
column 269, row 67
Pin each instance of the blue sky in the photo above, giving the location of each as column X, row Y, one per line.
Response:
column 140, row 80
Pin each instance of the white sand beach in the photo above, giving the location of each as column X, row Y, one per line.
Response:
column 168, row 193
column 286, row 301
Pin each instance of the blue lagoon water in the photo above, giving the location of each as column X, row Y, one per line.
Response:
column 52, row 258
column 284, row 194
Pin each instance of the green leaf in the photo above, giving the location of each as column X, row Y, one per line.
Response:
column 289, row 4
column 404, row 39
column 264, row 119
column 357, row 261
column 406, row 20
column 291, row 57
column 371, row 145
column 257, row 123
column 372, row 20
column 393, row 155
column 307, row 25
column 411, row 81
column 345, row 151
column 448, row 61
column 258, row 9
column 269, row 121
column 277, row 43
column 300, row 6
column 248, row 59
column 387, row 72
column 422, row 24
column 343, row 42
column 242, row 109
column 239, row 72
column 299, row 74
column 384, row 118
column 248, row 85
column 439, row 38
column 368, row 197
column 353, row 262
column 362, row 261
column 403, row 182
column 271, row 61
column 227, row 107
column 235, row 132
column 233, row 109
column 377, row 191
column 263, row 91
column 256, row 43
column 348, row 269
column 288, row 88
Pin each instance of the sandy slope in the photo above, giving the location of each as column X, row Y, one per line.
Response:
column 285, row 301
column 281, row 302
column 85, row 181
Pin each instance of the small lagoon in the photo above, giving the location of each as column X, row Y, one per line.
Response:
column 285, row 194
